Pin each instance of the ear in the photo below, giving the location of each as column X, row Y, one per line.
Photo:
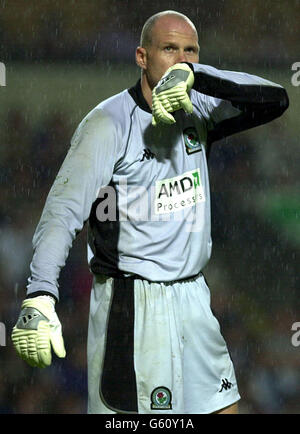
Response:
column 141, row 57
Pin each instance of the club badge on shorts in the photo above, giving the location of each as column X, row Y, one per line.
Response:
column 161, row 399
column 191, row 140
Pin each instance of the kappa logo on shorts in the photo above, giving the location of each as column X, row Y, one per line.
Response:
column 161, row 399
column 225, row 385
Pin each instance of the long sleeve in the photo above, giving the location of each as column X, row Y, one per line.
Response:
column 88, row 166
column 235, row 101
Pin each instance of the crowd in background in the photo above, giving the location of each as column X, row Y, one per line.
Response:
column 253, row 269
column 265, row 33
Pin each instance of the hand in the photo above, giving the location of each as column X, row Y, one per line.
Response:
column 171, row 93
column 37, row 328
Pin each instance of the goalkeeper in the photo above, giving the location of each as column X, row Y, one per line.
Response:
column 154, row 345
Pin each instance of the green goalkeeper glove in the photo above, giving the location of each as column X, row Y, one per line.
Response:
column 171, row 93
column 37, row 328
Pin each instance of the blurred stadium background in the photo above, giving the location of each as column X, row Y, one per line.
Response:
column 62, row 59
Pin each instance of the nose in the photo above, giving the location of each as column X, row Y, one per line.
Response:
column 182, row 56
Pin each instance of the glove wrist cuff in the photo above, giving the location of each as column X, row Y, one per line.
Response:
column 37, row 293
column 47, row 298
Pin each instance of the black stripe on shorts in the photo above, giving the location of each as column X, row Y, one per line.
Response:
column 118, row 382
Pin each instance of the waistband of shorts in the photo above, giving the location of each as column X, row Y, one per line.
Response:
column 103, row 277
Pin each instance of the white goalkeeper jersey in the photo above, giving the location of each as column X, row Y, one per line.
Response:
column 144, row 190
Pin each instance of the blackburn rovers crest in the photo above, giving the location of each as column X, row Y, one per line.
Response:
column 161, row 398
column 191, row 140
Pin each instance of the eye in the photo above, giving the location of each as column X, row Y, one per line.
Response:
column 168, row 49
column 190, row 50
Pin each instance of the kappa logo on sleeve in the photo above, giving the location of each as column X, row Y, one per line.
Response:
column 176, row 194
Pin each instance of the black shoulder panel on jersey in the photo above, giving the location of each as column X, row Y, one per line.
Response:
column 259, row 104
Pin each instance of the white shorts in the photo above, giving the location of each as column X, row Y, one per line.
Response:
column 156, row 348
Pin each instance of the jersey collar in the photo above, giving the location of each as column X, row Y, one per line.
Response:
column 137, row 94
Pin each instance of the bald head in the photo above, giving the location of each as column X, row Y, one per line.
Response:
column 167, row 38
column 162, row 19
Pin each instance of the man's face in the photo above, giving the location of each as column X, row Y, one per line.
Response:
column 173, row 41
